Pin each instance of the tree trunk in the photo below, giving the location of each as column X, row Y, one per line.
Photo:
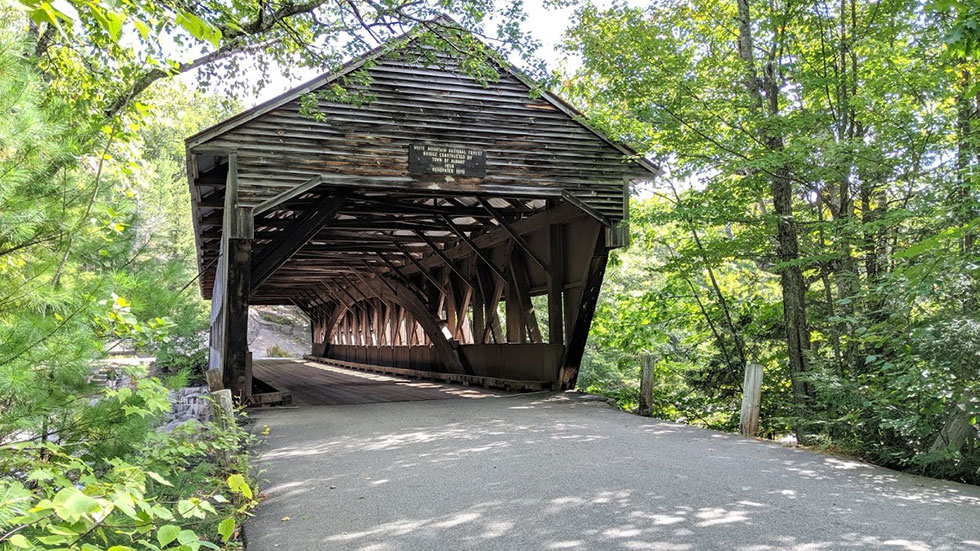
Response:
column 793, row 290
column 967, row 110
column 849, row 132
column 765, row 96
column 647, row 366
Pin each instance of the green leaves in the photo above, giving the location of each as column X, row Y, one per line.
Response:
column 193, row 507
column 237, row 484
column 71, row 504
column 100, row 476
column 169, row 533
column 44, row 12
column 187, row 537
column 115, row 495
column 158, row 478
column 226, row 528
column 935, row 243
column 963, row 37
column 18, row 540
column 881, row 153
column 199, row 28
column 166, row 534
column 108, row 19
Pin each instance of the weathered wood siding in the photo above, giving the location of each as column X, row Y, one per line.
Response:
column 537, row 362
column 531, row 145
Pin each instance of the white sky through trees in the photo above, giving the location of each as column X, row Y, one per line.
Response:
column 545, row 24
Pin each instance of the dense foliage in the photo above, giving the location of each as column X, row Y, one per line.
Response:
column 94, row 255
column 165, row 492
column 818, row 217
column 97, row 253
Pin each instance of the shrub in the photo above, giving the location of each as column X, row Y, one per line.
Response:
column 276, row 351
column 169, row 492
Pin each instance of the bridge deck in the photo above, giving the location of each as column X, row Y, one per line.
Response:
column 314, row 384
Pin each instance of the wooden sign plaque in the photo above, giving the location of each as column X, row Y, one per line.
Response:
column 445, row 160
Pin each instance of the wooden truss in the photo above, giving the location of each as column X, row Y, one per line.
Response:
column 438, row 281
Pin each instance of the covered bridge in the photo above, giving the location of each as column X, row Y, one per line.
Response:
column 425, row 220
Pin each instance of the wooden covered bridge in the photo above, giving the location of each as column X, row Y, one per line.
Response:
column 437, row 223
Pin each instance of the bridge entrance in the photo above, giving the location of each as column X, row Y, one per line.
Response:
column 443, row 224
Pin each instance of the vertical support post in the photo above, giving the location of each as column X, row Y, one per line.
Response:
column 585, row 309
column 314, row 323
column 479, row 305
column 647, row 364
column 365, row 326
column 247, row 381
column 236, row 315
column 229, row 302
column 522, row 289
column 390, row 324
column 377, row 312
column 409, row 329
column 515, row 316
column 323, row 322
column 465, row 327
column 451, row 304
column 556, row 281
column 748, row 424
column 223, row 412
column 958, row 428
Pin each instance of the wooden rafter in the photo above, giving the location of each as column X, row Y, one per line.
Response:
column 408, row 282
column 276, row 253
column 284, row 196
column 425, row 273
column 522, row 296
column 473, row 246
column 438, row 252
column 518, row 238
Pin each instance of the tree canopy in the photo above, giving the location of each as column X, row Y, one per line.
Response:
column 819, row 217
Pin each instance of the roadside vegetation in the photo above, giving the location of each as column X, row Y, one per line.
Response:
column 95, row 253
column 276, row 351
column 819, row 217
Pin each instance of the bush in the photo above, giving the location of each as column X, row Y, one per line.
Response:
column 170, row 360
column 185, row 347
column 276, row 318
column 276, row 351
column 169, row 491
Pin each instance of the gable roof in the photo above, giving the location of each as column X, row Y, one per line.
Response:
column 402, row 41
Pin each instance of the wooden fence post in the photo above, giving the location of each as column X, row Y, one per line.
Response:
column 958, row 428
column 648, row 362
column 213, row 377
column 751, row 400
column 223, row 411
column 247, row 378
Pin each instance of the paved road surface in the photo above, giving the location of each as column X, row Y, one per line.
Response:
column 556, row 472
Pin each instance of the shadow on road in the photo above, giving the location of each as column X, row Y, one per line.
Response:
column 556, row 472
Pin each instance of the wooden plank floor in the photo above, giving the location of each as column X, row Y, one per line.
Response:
column 313, row 384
